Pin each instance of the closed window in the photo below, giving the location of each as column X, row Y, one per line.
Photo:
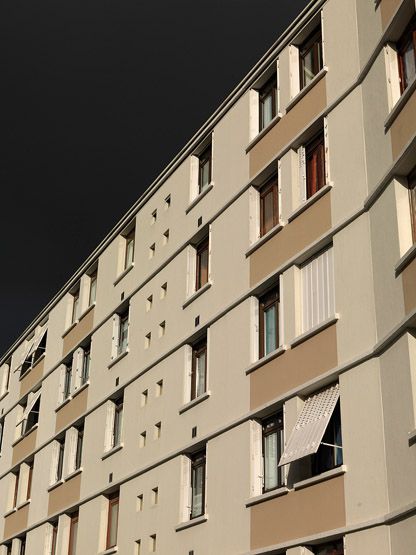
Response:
column 123, row 333
column 310, row 58
column 199, row 369
column 202, row 263
column 75, row 305
column 118, row 422
column 269, row 207
column 78, row 451
column 268, row 322
column 86, row 359
column 272, row 451
column 411, row 180
column 267, row 102
column 73, row 533
column 67, row 381
column 60, row 460
column 129, row 248
column 93, row 289
column 317, row 283
column 198, row 464
column 315, row 165
column 406, row 50
column 205, row 165
column 112, row 522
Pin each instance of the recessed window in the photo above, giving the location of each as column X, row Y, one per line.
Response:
column 154, row 216
column 144, row 398
column 142, row 439
column 22, row 546
column 129, row 248
column 159, row 388
column 75, row 305
column 205, row 167
column 199, row 369
column 138, row 547
column 5, row 376
column 168, row 201
column 139, row 505
column 122, row 330
column 149, row 303
column 152, row 250
column 80, row 442
column 315, row 164
column 147, row 340
column 53, row 537
column 93, row 288
column 166, row 237
column 267, row 102
column 35, row 349
column 310, row 58
column 67, row 381
column 406, row 50
column 332, row 548
column 86, row 361
column 269, row 206
column 198, row 466
column 272, row 451
column 155, row 496
column 152, row 543
column 29, row 480
column 30, row 416
column 112, row 521
column 73, row 534
column 57, row 460
column 162, row 329
column 163, row 290
column 268, row 322
column 411, row 181
column 202, row 262
column 118, row 422
column 158, row 430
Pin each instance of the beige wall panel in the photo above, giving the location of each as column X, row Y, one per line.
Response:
column 32, row 378
column 374, row 540
column 403, row 536
column 24, row 447
column 9, row 437
column 399, row 420
column 296, row 366
column 300, row 513
column 385, row 254
column 387, row 10
column 340, row 36
column 56, row 327
column 16, row 522
column 354, row 292
column 40, row 483
column 293, row 238
column 283, row 133
column 81, row 330
column 369, row 28
column 64, row 495
column 409, row 289
column 347, row 172
column 403, row 127
column 366, row 494
column 378, row 146
column 72, row 410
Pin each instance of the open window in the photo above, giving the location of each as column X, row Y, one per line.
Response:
column 406, row 52
column 317, row 433
column 30, row 415
column 34, row 350
column 310, row 57
column 267, row 102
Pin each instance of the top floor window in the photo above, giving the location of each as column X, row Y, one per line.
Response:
column 310, row 58
column 406, row 50
column 93, row 289
column 75, row 305
column 205, row 167
column 129, row 252
column 267, row 102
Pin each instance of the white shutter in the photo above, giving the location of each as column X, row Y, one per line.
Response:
column 62, row 370
column 311, row 425
column 185, row 497
column 23, row 483
column 48, row 539
column 257, row 477
column 16, row 546
column 71, row 440
column 116, row 335
column 4, row 376
column 77, row 362
column 109, row 425
column 317, row 278
column 302, row 174
column 54, row 462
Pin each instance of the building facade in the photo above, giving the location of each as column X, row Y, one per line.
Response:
column 233, row 370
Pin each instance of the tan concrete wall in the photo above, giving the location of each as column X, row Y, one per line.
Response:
column 81, row 330
column 16, row 522
column 25, row 446
column 402, row 129
column 32, row 378
column 72, row 410
column 65, row 495
column 403, row 536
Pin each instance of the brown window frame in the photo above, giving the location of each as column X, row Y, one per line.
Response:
column 411, row 183
column 200, row 249
column 203, row 158
column 269, row 87
column 312, row 42
column 198, row 459
column 277, row 421
column 74, row 520
column 408, row 37
column 315, row 151
column 265, row 302
column 112, row 500
column 270, row 186
column 197, row 350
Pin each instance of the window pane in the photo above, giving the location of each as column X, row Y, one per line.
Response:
column 270, row 461
column 118, row 420
column 270, row 331
column 268, row 212
column 267, row 110
column 123, row 335
column 112, row 524
column 93, row 290
column 308, row 67
column 202, row 269
column 409, row 64
column 201, row 362
column 197, row 490
column 205, row 177
column 86, row 366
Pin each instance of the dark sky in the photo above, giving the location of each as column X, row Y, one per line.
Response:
column 96, row 98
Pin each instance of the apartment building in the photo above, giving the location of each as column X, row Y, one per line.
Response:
column 233, row 369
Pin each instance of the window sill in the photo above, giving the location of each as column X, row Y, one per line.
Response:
column 314, row 331
column 110, row 550
column 264, row 360
column 271, row 233
column 338, row 471
column 23, row 504
column 194, row 402
column 71, row 327
column 80, row 388
column 412, row 437
column 86, row 311
column 195, row 295
column 408, row 256
column 305, row 205
column 123, row 273
column 10, row 512
column 263, row 132
column 3, row 395
column 118, row 358
column 112, row 451
column 191, row 522
column 398, row 107
column 266, row 496
column 73, row 474
column 64, row 402
column 199, row 197
column 306, row 89
column 22, row 437
column 56, row 485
